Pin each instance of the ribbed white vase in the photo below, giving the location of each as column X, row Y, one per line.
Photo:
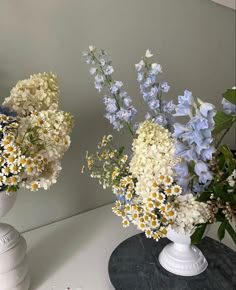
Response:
column 14, row 272
column 180, row 257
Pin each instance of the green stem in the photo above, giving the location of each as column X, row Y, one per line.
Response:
column 222, row 137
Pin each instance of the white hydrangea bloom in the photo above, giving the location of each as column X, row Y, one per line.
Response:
column 39, row 92
column 190, row 213
column 49, row 133
column 232, row 179
column 153, row 155
column 46, row 178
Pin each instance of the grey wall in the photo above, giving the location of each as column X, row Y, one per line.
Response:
column 193, row 39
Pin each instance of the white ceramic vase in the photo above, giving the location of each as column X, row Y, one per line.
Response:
column 14, row 272
column 180, row 257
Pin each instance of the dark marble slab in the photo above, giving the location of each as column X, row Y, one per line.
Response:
column 134, row 265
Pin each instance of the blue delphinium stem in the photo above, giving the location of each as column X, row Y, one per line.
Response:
column 160, row 111
column 194, row 142
column 119, row 111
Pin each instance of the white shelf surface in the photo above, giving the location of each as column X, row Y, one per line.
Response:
column 74, row 253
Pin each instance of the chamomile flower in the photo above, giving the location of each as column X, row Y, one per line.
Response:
column 150, row 205
column 6, row 170
column 160, row 197
column 176, row 190
column 10, row 148
column 125, row 223
column 30, row 169
column 15, row 168
column 149, row 233
column 128, row 195
column 168, row 180
column 156, row 236
column 35, row 186
column 22, row 161
column 154, row 223
column 118, row 203
column 14, row 180
column 142, row 226
column 11, row 159
column 168, row 191
column 154, row 195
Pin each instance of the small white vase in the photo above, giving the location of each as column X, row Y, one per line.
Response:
column 180, row 257
column 14, row 272
column 7, row 201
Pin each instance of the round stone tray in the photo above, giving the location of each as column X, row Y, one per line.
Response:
column 134, row 265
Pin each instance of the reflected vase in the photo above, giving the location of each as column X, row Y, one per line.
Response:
column 14, row 270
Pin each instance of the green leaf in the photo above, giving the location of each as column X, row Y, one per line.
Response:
column 197, row 235
column 121, row 150
column 231, row 232
column 204, row 196
column 230, row 95
column 221, row 230
column 222, row 122
column 229, row 158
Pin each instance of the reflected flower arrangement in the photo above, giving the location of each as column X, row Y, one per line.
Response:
column 34, row 134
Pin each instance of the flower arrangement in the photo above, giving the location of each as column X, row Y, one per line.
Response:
column 178, row 175
column 34, row 134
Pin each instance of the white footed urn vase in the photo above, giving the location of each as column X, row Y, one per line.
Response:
column 180, row 257
column 14, row 272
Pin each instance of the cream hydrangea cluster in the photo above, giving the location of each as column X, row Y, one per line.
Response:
column 153, row 152
column 39, row 92
column 189, row 214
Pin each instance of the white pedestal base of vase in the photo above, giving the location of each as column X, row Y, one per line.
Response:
column 180, row 257
column 14, row 271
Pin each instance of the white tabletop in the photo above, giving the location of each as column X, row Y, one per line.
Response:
column 74, row 253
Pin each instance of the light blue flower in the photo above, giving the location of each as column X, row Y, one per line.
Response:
column 140, row 77
column 160, row 119
column 116, row 87
column 126, row 100
column 139, row 66
column 110, row 104
column 108, row 70
column 182, row 169
column 180, row 129
column 207, row 109
column 154, row 104
column 93, row 70
column 117, row 125
column 98, row 86
column 168, row 106
column 6, row 111
column 155, row 69
column 99, row 78
column 126, row 114
column 185, row 104
column 149, row 81
column 228, row 107
column 148, row 116
column 164, row 87
column 206, row 154
column 202, row 170
column 147, row 96
column 102, row 61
